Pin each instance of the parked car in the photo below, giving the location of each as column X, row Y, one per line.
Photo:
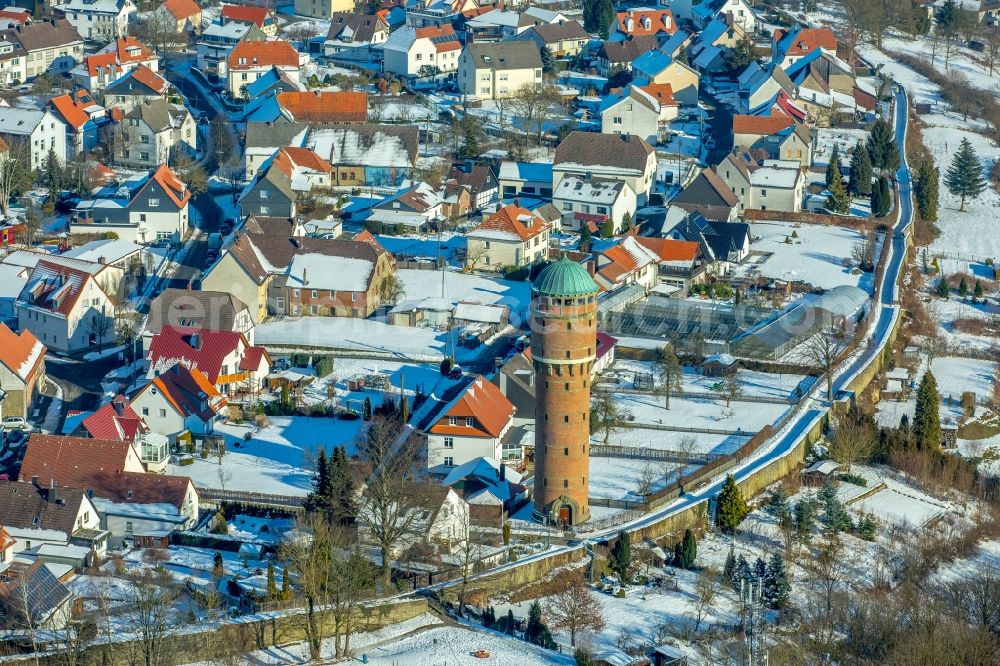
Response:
column 16, row 423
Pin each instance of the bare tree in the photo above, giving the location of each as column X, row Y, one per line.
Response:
column 671, row 374
column 225, row 475
column 605, row 412
column 729, row 389
column 705, row 588
column 391, row 289
column 647, row 475
column 310, row 560
column 101, row 324
column 149, row 610
column 352, row 580
column 390, row 501
column 15, row 172
column 863, row 252
column 821, row 351
column 991, row 40
column 854, row 438
column 128, row 329
column 575, row 609
column 828, row 568
column 534, row 105
column 470, row 553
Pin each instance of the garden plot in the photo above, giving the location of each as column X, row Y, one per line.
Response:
column 667, row 440
column 405, row 377
column 752, row 383
column 953, row 375
column 620, row 478
column 892, row 505
column 455, row 646
column 843, row 138
column 700, row 413
column 816, row 256
column 955, row 316
column 467, row 287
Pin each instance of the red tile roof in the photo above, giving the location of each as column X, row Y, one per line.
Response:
column 253, row 358
column 661, row 92
column 55, row 287
column 182, row 9
column 514, row 220
column 115, row 421
column 809, row 39
column 256, row 15
column 485, row 403
column 255, row 55
column 22, row 353
column 189, row 392
column 151, row 79
column 659, row 20
column 71, row 107
column 301, row 157
column 107, row 62
column 172, row 185
column 205, row 349
column 668, row 249
column 130, row 49
column 761, row 125
column 13, row 15
column 327, row 106
column 443, row 37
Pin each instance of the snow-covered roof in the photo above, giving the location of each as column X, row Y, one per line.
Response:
column 110, row 250
column 824, row 467
column 490, row 314
column 333, row 273
column 584, row 190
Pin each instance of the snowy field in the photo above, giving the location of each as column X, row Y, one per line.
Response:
column 947, row 312
column 700, row 412
column 467, row 287
column 752, row 383
column 648, row 438
column 816, row 257
column 843, row 138
column 899, row 508
column 619, row 478
column 454, row 646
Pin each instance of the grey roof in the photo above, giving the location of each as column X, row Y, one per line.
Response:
column 557, row 32
column 43, row 35
column 629, row 50
column 30, row 593
column 708, row 195
column 26, row 506
column 274, row 135
column 361, row 26
column 216, row 310
column 505, row 55
column 157, row 114
column 623, row 151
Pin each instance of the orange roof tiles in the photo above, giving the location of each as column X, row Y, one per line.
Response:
column 71, row 109
column 307, row 159
column 251, row 55
column 761, row 125
column 809, row 39
column 668, row 249
column 182, row 9
column 325, row 106
column 442, row 36
column 172, row 185
column 148, row 77
column 21, row 353
column 511, row 220
column 255, row 15
column 661, row 92
column 646, row 22
column 102, row 61
column 123, row 46
column 483, row 401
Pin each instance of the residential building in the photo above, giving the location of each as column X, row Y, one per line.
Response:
column 822, row 72
column 50, row 46
column 709, row 47
column 484, row 188
column 564, row 39
column 182, row 15
column 591, row 202
column 179, row 400
column 355, row 37
column 270, row 193
column 263, row 139
column 421, row 52
column 33, row 599
column 120, row 254
column 82, row 117
column 722, row 243
column 227, row 359
column 486, row 482
column 709, row 195
column 512, row 236
column 412, row 209
column 625, row 263
column 326, row 107
column 620, row 55
column 769, row 185
column 218, row 39
column 497, row 70
column 788, row 45
column 621, row 157
column 282, row 275
column 639, row 113
column 529, row 179
column 22, row 371
column 680, row 264
column 13, row 63
column 130, row 502
column 432, row 13
column 261, row 18
column 144, row 209
column 99, row 20
column 115, row 421
column 118, row 57
column 13, row 16
column 249, row 60
column 759, row 87
column 441, row 521
column 660, row 67
column 135, row 87
column 367, row 155
column 61, row 301
column 489, row 24
column 40, row 131
column 193, row 310
column 642, row 22
column 34, row 514
column 154, row 131
column 467, row 421
column 322, row 9
column 778, row 136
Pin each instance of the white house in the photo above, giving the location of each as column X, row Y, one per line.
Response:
column 41, row 131
column 592, row 202
column 498, row 70
column 155, row 130
column 639, row 113
column 512, row 236
column 250, row 60
column 428, row 51
column 623, row 157
column 99, row 20
column 35, row 515
column 178, row 400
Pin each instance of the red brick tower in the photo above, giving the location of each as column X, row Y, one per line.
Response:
column 563, row 348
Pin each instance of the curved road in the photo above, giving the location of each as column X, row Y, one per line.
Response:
column 815, row 407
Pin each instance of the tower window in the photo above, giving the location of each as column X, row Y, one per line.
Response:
column 566, row 451
column 567, row 353
column 565, row 483
column 567, row 386
column 545, row 481
column 546, row 416
column 569, row 326
column 566, row 418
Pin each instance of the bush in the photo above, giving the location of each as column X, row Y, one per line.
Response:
column 203, row 454
column 261, row 420
column 348, row 416
column 620, row 593
column 323, row 366
column 854, row 479
column 185, row 461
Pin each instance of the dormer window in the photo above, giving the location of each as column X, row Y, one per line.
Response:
column 469, row 421
column 452, row 420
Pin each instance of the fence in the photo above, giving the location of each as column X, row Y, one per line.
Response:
column 671, row 428
column 708, row 395
column 642, row 453
column 754, row 215
column 251, row 499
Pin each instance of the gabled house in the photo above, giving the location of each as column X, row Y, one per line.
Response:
column 49, row 46
column 512, row 236
column 484, row 188
column 432, row 13
column 497, row 70
column 660, row 67
column 590, row 202
column 788, row 45
column 635, row 111
column 154, row 131
column 367, row 155
column 262, row 95
column 531, row 179
column 489, row 24
column 759, row 86
column 710, row 196
column 182, row 15
column 143, row 210
column 115, row 421
column 642, row 22
column 327, row 107
column 263, row 139
column 249, row 60
column 680, row 263
column 40, row 131
column 61, row 301
column 130, row 501
column 414, row 208
column 355, row 37
column 83, row 117
column 260, row 18
column 219, row 38
column 278, row 275
column 22, row 370
column 468, row 420
column 13, row 62
column 621, row 157
column 769, row 185
column 563, row 39
column 137, row 86
column 34, row 514
column 487, row 482
column 620, row 55
column 14, row 16
column 178, row 400
column 823, row 72
column 421, row 52
column 625, row 263
column 98, row 20
column 709, row 48
column 722, row 243
column 119, row 57
column 777, row 136
column 194, row 310
column 270, row 193
column 32, row 598
column 226, row 358
column 322, row 9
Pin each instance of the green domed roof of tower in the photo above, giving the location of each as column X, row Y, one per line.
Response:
column 564, row 278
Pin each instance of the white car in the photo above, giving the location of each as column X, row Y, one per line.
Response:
column 16, row 423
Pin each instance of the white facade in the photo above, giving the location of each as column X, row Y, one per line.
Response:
column 87, row 518
column 42, row 131
column 630, row 116
column 404, row 53
column 162, row 418
column 72, row 332
column 13, row 64
column 579, row 200
column 100, row 20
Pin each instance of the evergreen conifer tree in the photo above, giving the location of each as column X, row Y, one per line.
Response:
column 286, row 585
column 585, row 238
column 804, row 516
column 776, row 585
column 366, row 409
column 730, row 566
column 835, row 517
column 839, row 200
column 881, row 198
column 741, row 571
column 778, row 502
column 597, row 16
column 978, row 291
column 677, row 561
column 620, row 558
column 882, row 147
column 731, row 508
column 689, row 549
column 964, row 178
column 926, row 419
column 510, row 622
column 548, row 62
column 942, row 288
column 860, row 182
column 926, row 190
column 833, row 166
column 963, row 288
column 759, row 569
column 272, row 583
column 318, row 498
column 607, row 228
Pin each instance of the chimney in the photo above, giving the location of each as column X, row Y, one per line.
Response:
column 591, row 265
column 118, row 404
column 102, row 260
column 305, row 276
column 52, row 496
column 503, row 472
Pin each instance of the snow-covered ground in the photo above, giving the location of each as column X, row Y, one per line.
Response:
column 467, row 287
column 844, row 138
column 947, row 312
column 890, row 505
column 648, row 438
column 752, row 383
column 701, row 412
column 954, row 375
column 816, row 256
column 456, row 645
